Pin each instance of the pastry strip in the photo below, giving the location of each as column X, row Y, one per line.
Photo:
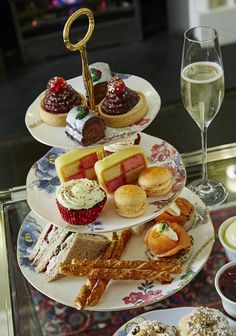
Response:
column 115, row 274
column 129, row 264
column 85, row 291
column 100, row 287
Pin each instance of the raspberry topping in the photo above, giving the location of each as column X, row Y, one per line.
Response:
column 116, row 85
column 57, row 84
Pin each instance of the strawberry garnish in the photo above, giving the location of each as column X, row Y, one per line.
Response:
column 57, row 84
column 116, row 85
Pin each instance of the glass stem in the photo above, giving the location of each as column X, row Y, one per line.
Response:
column 204, row 155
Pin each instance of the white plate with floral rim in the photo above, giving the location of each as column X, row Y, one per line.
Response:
column 56, row 136
column 169, row 316
column 120, row 294
column 42, row 182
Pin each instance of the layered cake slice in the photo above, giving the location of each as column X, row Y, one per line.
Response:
column 122, row 167
column 101, row 75
column 84, row 126
column 78, row 163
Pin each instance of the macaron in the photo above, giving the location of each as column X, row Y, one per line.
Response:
column 130, row 200
column 156, row 181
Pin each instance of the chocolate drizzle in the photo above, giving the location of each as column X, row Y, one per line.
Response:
column 60, row 98
column 119, row 98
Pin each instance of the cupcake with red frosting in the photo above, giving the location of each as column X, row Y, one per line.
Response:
column 80, row 201
column 59, row 98
column 122, row 106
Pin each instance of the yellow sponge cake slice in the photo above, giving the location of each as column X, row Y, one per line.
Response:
column 78, row 163
column 122, row 167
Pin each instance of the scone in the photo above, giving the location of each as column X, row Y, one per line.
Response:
column 204, row 321
column 84, row 126
column 153, row 328
column 130, row 201
column 122, row 106
column 80, row 201
column 156, row 181
column 59, row 98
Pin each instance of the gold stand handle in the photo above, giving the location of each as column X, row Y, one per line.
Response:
column 81, row 46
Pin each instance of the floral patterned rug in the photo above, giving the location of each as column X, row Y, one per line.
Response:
column 60, row 320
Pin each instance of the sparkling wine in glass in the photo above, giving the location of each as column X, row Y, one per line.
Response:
column 202, row 89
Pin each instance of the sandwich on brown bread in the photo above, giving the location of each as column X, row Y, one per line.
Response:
column 51, row 237
column 50, row 251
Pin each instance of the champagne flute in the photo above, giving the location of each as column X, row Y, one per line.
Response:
column 202, row 90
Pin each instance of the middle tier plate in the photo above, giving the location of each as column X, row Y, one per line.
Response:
column 42, row 182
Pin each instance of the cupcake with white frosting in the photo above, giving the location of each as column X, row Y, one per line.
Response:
column 80, row 201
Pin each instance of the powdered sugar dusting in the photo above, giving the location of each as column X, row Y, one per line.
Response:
column 204, row 321
column 153, row 328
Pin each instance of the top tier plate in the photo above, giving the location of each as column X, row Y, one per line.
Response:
column 56, row 137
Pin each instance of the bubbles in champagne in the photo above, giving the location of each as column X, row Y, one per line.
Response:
column 202, row 89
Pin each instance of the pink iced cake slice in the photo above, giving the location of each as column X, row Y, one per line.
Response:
column 120, row 168
column 78, row 163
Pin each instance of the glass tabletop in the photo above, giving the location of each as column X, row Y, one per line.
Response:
column 25, row 311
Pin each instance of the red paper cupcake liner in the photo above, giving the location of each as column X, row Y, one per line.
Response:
column 83, row 216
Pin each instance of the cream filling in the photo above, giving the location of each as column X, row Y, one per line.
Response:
column 160, row 187
column 131, row 209
column 165, row 229
column 121, row 145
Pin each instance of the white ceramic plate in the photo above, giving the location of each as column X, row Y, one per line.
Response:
column 56, row 137
column 170, row 316
column 120, row 294
column 42, row 181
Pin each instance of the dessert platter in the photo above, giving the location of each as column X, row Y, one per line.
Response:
column 42, row 182
column 172, row 317
column 112, row 225
column 119, row 294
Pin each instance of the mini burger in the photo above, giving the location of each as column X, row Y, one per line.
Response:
column 168, row 242
column 181, row 212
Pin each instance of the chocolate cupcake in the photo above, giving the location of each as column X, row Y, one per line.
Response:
column 84, row 126
column 122, row 106
column 59, row 98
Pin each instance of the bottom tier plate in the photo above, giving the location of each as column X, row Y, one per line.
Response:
column 169, row 316
column 120, row 294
